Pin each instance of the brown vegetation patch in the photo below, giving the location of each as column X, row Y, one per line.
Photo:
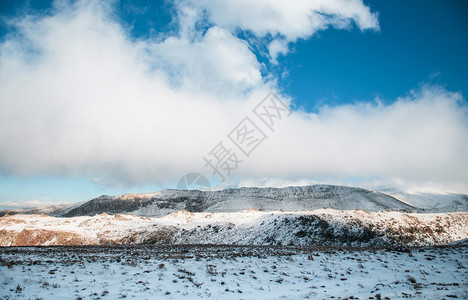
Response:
column 37, row 237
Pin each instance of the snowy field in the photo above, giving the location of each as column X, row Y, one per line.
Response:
column 230, row 272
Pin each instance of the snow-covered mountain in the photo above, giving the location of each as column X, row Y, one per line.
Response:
column 233, row 200
column 310, row 215
column 265, row 199
column 431, row 202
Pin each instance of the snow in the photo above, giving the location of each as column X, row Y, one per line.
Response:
column 301, row 198
column 268, row 199
column 240, row 244
column 236, row 255
column 436, row 202
column 188, row 272
column 249, row 227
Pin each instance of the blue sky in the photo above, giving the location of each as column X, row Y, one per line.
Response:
column 420, row 42
column 384, row 60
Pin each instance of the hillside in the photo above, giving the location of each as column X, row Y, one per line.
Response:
column 230, row 200
column 325, row 227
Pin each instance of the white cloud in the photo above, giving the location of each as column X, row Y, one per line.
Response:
column 216, row 62
column 88, row 101
column 79, row 97
column 422, row 137
column 276, row 47
column 30, row 203
column 285, row 21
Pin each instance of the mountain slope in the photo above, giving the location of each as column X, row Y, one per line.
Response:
column 231, row 200
column 325, row 227
column 266, row 199
column 431, row 202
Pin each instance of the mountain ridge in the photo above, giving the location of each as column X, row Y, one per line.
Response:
column 293, row 198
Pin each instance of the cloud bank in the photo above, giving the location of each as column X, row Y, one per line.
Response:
column 80, row 97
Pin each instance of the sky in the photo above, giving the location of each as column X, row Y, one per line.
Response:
column 113, row 97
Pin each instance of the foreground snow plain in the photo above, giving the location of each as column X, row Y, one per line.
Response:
column 182, row 255
column 232, row 272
